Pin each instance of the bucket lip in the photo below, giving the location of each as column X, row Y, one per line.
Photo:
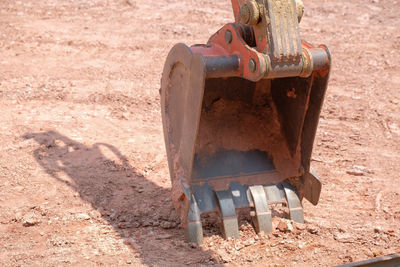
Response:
column 223, row 182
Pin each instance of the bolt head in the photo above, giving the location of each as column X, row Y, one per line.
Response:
column 228, row 37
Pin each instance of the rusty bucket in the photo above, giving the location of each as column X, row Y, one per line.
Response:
column 240, row 115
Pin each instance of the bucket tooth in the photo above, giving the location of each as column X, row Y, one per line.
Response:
column 295, row 208
column 274, row 194
column 205, row 197
column 229, row 219
column 262, row 217
column 194, row 227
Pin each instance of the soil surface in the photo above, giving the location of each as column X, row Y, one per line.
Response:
column 83, row 172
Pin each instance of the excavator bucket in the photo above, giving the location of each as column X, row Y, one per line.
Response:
column 240, row 115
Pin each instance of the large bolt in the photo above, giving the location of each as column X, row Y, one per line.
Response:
column 299, row 9
column 250, row 13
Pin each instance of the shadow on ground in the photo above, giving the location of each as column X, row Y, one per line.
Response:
column 139, row 210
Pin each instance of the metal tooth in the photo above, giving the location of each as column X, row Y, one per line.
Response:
column 194, row 229
column 229, row 218
column 294, row 203
column 205, row 198
column 273, row 194
column 262, row 219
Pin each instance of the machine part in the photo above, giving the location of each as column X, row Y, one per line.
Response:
column 228, row 37
column 294, row 203
column 240, row 115
column 250, row 13
column 312, row 186
column 274, row 194
column 392, row 260
column 194, row 229
column 262, row 217
column 230, row 226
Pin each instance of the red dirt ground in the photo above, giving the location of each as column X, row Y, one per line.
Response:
column 83, row 171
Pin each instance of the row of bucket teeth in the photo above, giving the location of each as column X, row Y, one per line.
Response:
column 257, row 197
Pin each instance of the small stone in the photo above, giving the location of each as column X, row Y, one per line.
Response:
column 18, row 216
column 146, row 223
column 82, row 217
column 290, row 226
column 349, row 258
column 290, row 247
column 166, row 236
column 248, row 242
column 193, row 245
column 368, row 253
column 378, row 229
column 355, row 172
column 30, row 219
column 225, row 257
column 300, row 226
column 343, row 237
column 94, row 214
column 390, row 232
column 358, row 170
column 167, row 225
column 123, row 225
column 377, row 253
column 135, row 224
column 301, row 245
column 312, row 229
column 283, row 227
column 128, row 262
